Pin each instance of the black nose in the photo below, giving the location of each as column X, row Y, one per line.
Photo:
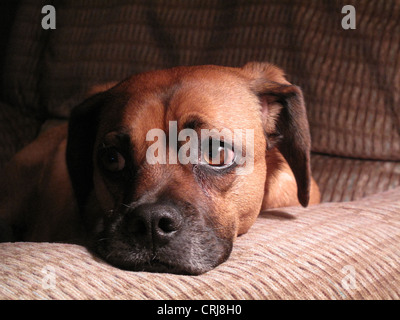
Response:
column 153, row 224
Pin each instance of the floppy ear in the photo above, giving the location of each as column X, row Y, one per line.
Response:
column 285, row 122
column 82, row 131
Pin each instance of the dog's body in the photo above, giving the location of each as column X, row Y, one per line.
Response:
column 89, row 182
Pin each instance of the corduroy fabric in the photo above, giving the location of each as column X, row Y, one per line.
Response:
column 329, row 251
column 347, row 179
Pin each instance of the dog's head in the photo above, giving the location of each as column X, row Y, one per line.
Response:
column 169, row 166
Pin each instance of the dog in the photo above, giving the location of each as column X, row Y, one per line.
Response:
column 90, row 181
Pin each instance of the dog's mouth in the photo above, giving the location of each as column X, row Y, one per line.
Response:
column 168, row 262
column 160, row 266
column 184, row 255
column 152, row 265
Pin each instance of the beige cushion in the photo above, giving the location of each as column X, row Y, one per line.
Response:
column 330, row 251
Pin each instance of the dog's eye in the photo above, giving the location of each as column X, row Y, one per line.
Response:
column 219, row 154
column 112, row 160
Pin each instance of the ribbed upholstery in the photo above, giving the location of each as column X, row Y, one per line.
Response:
column 346, row 179
column 330, row 251
column 351, row 84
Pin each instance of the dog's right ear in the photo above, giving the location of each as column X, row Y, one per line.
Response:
column 82, row 132
column 285, row 121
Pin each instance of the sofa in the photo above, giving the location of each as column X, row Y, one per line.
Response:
column 347, row 247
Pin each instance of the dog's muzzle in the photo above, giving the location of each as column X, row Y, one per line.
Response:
column 162, row 237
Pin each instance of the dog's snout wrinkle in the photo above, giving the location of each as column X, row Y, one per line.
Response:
column 153, row 225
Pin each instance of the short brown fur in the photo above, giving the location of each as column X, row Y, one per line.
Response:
column 38, row 202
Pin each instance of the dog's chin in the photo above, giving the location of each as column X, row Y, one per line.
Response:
column 184, row 258
column 159, row 265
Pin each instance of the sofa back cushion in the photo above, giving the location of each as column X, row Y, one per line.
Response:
column 350, row 78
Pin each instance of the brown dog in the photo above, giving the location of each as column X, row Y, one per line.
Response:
column 163, row 217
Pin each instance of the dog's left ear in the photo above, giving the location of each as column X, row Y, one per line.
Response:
column 285, row 121
column 82, row 132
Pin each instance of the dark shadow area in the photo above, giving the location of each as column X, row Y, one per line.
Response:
column 276, row 214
